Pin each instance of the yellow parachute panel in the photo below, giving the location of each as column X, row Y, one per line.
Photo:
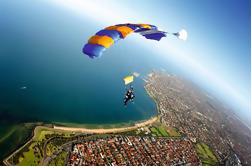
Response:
column 105, row 41
column 128, row 79
column 145, row 26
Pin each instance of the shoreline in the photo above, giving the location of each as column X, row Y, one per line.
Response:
column 107, row 130
column 152, row 97
column 97, row 125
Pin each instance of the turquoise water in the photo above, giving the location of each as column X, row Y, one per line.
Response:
column 41, row 50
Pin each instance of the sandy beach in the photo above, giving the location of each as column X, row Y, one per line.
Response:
column 111, row 130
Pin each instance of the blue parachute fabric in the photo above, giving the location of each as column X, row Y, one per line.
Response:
column 115, row 35
column 93, row 50
column 155, row 36
column 153, row 27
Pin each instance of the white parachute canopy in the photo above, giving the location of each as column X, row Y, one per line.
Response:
column 182, row 34
column 136, row 74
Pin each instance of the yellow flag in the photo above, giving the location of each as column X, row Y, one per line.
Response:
column 128, row 79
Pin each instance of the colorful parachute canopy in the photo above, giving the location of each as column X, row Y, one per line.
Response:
column 128, row 79
column 103, row 39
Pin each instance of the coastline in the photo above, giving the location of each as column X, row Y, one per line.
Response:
column 108, row 130
column 96, row 125
column 152, row 97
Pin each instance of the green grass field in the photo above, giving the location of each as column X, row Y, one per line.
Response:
column 162, row 130
column 29, row 157
column 41, row 132
column 159, row 131
column 206, row 154
column 155, row 132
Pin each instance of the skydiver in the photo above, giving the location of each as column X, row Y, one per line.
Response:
column 129, row 96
